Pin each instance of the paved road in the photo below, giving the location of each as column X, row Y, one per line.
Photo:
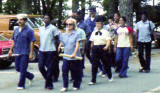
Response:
column 135, row 83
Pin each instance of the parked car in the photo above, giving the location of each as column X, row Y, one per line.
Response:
column 9, row 23
column 5, row 45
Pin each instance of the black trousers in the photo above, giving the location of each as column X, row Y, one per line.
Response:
column 144, row 61
column 99, row 54
column 56, row 70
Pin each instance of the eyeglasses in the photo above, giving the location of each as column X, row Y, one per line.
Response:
column 69, row 24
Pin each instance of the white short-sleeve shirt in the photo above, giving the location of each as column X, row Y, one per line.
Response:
column 100, row 39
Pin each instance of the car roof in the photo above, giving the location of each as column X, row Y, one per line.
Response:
column 14, row 16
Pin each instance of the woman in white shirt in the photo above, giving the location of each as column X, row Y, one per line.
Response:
column 123, row 46
column 100, row 42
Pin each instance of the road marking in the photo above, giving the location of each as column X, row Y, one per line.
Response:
column 155, row 90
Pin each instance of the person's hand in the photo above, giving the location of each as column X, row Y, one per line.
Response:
column 73, row 56
column 115, row 49
column 82, row 53
column 10, row 52
column 132, row 49
column 105, row 48
column 59, row 49
column 31, row 56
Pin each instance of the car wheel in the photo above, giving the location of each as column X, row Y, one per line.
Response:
column 5, row 64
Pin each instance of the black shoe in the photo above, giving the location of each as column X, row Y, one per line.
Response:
column 147, row 71
column 117, row 70
column 141, row 69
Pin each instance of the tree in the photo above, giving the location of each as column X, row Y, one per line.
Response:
column 75, row 5
column 26, row 6
column 1, row 6
column 111, row 6
column 126, row 9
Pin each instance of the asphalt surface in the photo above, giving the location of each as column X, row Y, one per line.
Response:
column 135, row 83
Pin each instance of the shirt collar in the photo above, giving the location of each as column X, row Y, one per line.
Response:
column 145, row 22
column 47, row 26
column 73, row 32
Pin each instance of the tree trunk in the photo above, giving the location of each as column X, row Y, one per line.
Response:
column 1, row 6
column 26, row 6
column 83, row 8
column 39, row 7
column 60, row 14
column 126, row 9
column 75, row 5
column 113, row 6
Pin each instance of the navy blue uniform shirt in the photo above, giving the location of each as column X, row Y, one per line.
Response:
column 22, row 40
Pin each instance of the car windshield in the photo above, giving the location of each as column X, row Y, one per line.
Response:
column 35, row 22
column 2, row 38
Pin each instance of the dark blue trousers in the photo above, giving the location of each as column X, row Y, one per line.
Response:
column 99, row 54
column 122, row 57
column 145, row 61
column 46, row 64
column 75, row 66
column 21, row 65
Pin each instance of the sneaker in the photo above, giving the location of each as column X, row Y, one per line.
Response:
column 111, row 80
column 100, row 73
column 103, row 75
column 141, row 69
column 30, row 82
column 63, row 90
column 20, row 88
column 91, row 83
column 74, row 88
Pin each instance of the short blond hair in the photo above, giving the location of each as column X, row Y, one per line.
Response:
column 74, row 23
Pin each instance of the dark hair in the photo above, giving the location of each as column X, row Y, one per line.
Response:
column 49, row 15
column 25, row 19
column 110, row 17
column 117, row 14
column 144, row 13
column 124, row 18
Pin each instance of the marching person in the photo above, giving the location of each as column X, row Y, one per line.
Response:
column 113, row 28
column 100, row 42
column 70, row 40
column 23, row 41
column 91, row 21
column 47, row 50
column 144, row 29
column 123, row 46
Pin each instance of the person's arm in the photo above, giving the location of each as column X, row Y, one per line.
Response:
column 11, row 49
column 115, row 42
column 75, row 51
column 136, row 38
column 131, row 42
column 91, row 46
column 84, row 45
column 59, row 47
column 31, row 50
column 56, row 42
column 107, row 45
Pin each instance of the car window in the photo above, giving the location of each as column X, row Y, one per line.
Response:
column 2, row 38
column 12, row 24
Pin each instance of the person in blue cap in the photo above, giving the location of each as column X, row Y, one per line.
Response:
column 100, row 42
column 23, row 41
column 91, row 21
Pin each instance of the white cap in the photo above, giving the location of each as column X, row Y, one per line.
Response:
column 19, row 16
